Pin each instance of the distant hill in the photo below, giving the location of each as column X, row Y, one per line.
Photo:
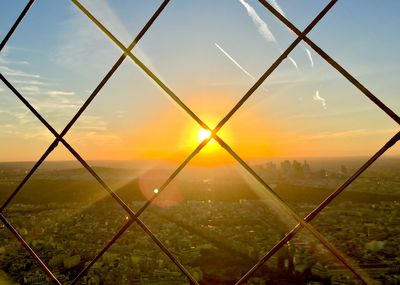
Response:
column 65, row 182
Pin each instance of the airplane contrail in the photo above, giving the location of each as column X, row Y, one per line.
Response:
column 237, row 64
column 317, row 97
column 234, row 61
column 293, row 62
column 277, row 7
column 310, row 56
column 260, row 24
column 263, row 27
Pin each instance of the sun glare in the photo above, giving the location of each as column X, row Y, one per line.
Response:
column 204, row 134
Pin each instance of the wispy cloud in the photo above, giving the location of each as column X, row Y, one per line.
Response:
column 7, row 61
column 4, row 55
column 91, row 123
column 60, row 93
column 309, row 57
column 57, row 107
column 120, row 114
column 17, row 121
column 30, row 88
column 17, row 76
column 317, row 97
column 262, row 26
column 350, row 134
column 18, row 73
column 91, row 129
column 28, row 82
column 64, row 104
column 21, row 62
column 55, row 102
column 82, row 39
column 33, row 87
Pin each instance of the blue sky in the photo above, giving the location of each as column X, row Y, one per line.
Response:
column 57, row 57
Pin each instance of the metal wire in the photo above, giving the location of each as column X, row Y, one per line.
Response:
column 269, row 71
column 329, row 246
column 81, row 110
column 333, row 63
column 16, row 23
column 144, row 207
column 318, row 209
column 311, row 229
column 140, row 64
column 352, row 267
column 134, row 217
column 82, row 161
column 38, row 260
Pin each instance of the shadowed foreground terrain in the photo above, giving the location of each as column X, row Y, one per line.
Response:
column 217, row 227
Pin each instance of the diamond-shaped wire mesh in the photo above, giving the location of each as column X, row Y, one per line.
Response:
column 134, row 216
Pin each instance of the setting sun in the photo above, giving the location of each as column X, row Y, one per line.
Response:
column 220, row 134
column 203, row 134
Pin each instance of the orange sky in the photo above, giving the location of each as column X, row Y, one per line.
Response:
column 306, row 109
column 172, row 135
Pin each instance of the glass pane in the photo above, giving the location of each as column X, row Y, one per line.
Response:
column 131, row 128
column 23, row 140
column 300, row 136
column 303, row 133
column 56, row 64
column 218, row 218
column 136, row 259
column 366, row 47
column 217, row 51
column 368, row 214
column 64, row 215
column 16, row 265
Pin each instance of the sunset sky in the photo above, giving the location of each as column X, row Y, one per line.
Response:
column 209, row 53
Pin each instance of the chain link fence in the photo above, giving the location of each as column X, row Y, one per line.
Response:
column 134, row 217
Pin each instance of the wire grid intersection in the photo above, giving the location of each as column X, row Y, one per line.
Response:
column 134, row 217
